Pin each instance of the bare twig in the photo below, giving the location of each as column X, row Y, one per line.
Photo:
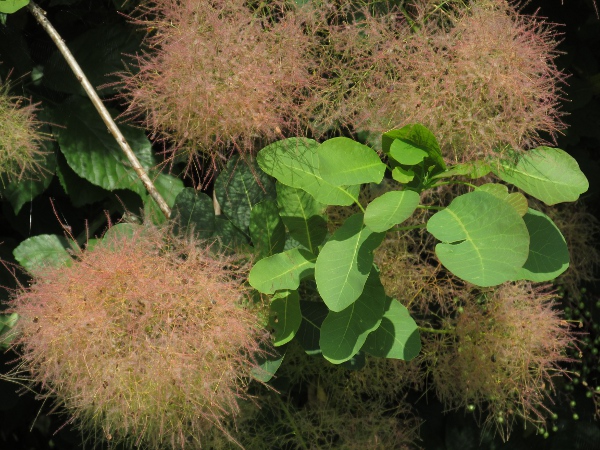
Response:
column 40, row 16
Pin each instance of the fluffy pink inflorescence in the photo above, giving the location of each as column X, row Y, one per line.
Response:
column 218, row 76
column 142, row 338
column 481, row 77
column 506, row 350
column 21, row 142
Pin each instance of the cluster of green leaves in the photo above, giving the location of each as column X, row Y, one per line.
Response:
column 488, row 236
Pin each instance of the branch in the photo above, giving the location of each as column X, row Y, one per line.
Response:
column 40, row 16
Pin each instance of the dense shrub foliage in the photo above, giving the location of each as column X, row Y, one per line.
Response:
column 364, row 205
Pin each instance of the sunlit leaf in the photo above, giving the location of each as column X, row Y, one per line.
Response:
column 406, row 153
column 398, row 335
column 42, row 251
column 484, row 240
column 282, row 271
column 169, row 188
column 515, row 199
column 344, row 162
column 11, row 6
column 344, row 263
column 548, row 174
column 295, row 163
column 390, row 209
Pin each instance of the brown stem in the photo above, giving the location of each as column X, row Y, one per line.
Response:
column 40, row 16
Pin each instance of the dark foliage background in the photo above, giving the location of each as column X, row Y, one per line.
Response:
column 99, row 34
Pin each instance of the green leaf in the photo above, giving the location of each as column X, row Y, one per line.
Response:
column 100, row 63
column 344, row 263
column 11, row 6
column 548, row 174
column 169, row 188
column 390, row 209
column 94, row 154
column 548, row 252
column 398, row 335
column 403, row 176
column 302, row 215
column 118, row 232
column 7, row 334
column 285, row 316
column 229, row 237
column 344, row 162
column 266, row 228
column 415, row 136
column 406, row 152
column 80, row 191
column 267, row 364
column 309, row 333
column 295, row 163
column 18, row 192
column 42, row 251
column 193, row 212
column 282, row 271
column 344, row 333
column 473, row 170
column 516, row 199
column 241, row 186
column 484, row 240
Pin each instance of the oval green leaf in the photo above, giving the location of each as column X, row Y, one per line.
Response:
column 302, row 215
column 398, row 335
column 285, row 316
column 12, row 6
column 344, row 263
column 419, row 137
column 309, row 334
column 42, row 251
column 548, row 252
column 295, row 163
column 94, row 154
column 484, row 240
column 406, row 153
column 193, row 212
column 266, row 228
column 516, row 199
column 344, row 162
column 390, row 209
column 282, row 271
column 241, row 186
column 344, row 333
column 548, row 174
column 169, row 188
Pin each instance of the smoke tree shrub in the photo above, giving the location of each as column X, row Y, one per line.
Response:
column 458, row 273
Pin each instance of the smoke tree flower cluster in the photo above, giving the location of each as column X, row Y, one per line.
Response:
column 21, row 148
column 143, row 338
column 220, row 76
